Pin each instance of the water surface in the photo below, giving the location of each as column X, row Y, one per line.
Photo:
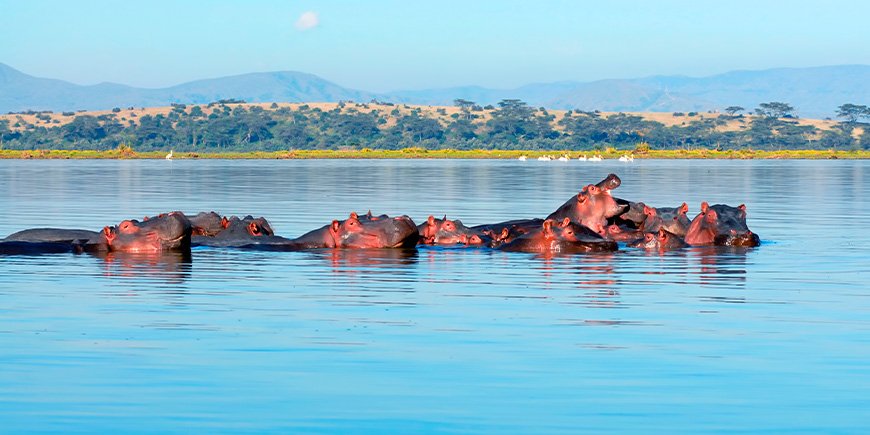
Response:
column 436, row 340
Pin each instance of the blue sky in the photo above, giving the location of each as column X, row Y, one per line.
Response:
column 391, row 45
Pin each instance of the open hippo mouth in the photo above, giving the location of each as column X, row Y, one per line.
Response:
column 610, row 182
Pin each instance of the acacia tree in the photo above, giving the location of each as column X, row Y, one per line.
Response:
column 775, row 109
column 733, row 110
column 853, row 112
column 465, row 106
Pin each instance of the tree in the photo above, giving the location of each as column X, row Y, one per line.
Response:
column 733, row 110
column 852, row 112
column 465, row 106
column 83, row 127
column 775, row 109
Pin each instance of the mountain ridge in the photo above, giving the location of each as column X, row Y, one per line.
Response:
column 813, row 91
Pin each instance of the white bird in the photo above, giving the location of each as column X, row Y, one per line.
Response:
column 544, row 159
column 582, row 159
column 626, row 158
column 595, row 158
column 563, row 159
column 169, row 156
column 522, row 158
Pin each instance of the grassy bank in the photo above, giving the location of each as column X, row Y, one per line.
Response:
column 418, row 153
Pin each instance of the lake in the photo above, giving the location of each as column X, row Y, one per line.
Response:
column 775, row 338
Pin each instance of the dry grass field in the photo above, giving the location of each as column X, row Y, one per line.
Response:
column 128, row 116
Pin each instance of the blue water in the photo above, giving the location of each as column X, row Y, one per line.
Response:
column 772, row 339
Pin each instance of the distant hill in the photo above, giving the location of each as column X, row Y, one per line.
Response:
column 815, row 92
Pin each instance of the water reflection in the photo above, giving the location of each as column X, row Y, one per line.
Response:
column 165, row 267
column 367, row 260
column 721, row 265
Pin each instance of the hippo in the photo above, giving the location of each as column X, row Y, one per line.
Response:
column 443, row 231
column 240, row 232
column 507, row 231
column 560, row 237
column 593, row 205
column 662, row 240
column 721, row 225
column 169, row 231
column 673, row 219
column 207, row 223
column 632, row 213
column 619, row 234
column 17, row 247
column 79, row 240
column 356, row 233
column 479, row 240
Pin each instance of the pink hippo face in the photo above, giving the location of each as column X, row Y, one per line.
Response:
column 721, row 225
column 387, row 232
column 169, row 231
column 443, row 231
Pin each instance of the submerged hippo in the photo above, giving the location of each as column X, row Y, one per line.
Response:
column 662, row 240
column 673, row 219
column 169, row 231
column 721, row 225
column 238, row 232
column 619, row 233
column 443, row 231
column 505, row 232
column 561, row 237
column 380, row 232
column 78, row 240
column 593, row 205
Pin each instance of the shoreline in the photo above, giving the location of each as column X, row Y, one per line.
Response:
column 418, row 153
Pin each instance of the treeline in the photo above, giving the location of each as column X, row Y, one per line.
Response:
column 512, row 124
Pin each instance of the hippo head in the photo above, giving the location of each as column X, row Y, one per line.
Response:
column 593, row 205
column 674, row 219
column 721, row 225
column 633, row 211
column 662, row 240
column 474, row 239
column 396, row 232
column 257, row 226
column 207, row 224
column 170, row 231
column 442, row 231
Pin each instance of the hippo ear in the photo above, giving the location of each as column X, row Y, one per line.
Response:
column 254, row 229
column 444, row 218
column 335, row 226
column 662, row 234
column 225, row 222
column 684, row 208
column 504, row 234
column 431, row 220
column 742, row 207
column 581, row 197
column 704, row 207
column 369, row 214
column 353, row 215
column 548, row 225
column 649, row 211
column 565, row 222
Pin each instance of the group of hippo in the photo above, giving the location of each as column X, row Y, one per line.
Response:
column 591, row 221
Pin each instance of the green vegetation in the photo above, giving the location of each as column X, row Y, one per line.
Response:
column 124, row 152
column 232, row 126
